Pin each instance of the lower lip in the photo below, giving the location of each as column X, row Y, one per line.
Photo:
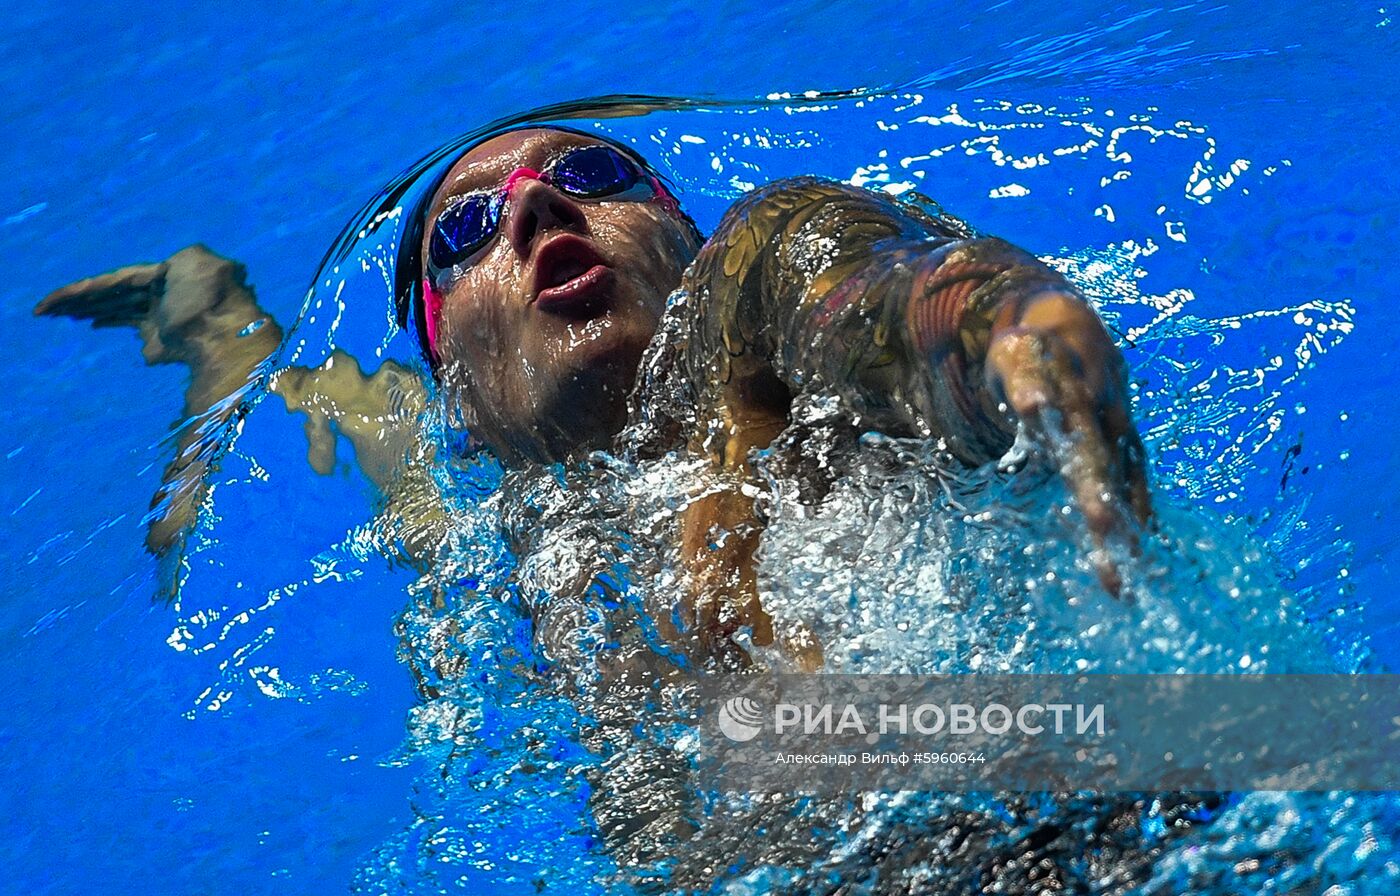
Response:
column 571, row 295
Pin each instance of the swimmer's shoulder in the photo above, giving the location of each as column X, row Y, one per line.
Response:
column 817, row 204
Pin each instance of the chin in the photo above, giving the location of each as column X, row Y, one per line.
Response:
column 587, row 405
column 607, row 349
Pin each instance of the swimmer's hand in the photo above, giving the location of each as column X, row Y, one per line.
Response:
column 197, row 309
column 1056, row 369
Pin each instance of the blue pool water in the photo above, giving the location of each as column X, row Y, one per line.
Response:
column 263, row 736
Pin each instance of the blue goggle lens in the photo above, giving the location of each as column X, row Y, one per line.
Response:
column 594, row 172
column 462, row 230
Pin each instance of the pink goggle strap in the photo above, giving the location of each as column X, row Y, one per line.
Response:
column 663, row 196
column 432, row 310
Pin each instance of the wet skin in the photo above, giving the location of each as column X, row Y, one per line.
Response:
column 542, row 331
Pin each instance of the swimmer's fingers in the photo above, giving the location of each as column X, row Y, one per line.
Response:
column 121, row 298
column 1068, row 411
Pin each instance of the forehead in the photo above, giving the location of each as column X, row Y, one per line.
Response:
column 489, row 163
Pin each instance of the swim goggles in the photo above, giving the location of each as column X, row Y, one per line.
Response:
column 590, row 172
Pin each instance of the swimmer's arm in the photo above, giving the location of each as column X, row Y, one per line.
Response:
column 197, row 309
column 919, row 330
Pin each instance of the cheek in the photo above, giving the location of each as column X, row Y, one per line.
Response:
column 473, row 325
column 650, row 243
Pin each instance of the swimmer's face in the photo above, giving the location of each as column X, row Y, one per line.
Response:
column 542, row 327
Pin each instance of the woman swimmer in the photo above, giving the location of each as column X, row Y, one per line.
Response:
column 535, row 274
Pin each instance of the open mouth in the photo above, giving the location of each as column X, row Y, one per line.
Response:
column 571, row 278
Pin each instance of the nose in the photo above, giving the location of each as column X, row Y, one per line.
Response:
column 534, row 207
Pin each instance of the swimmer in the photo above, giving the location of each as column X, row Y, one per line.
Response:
column 535, row 273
